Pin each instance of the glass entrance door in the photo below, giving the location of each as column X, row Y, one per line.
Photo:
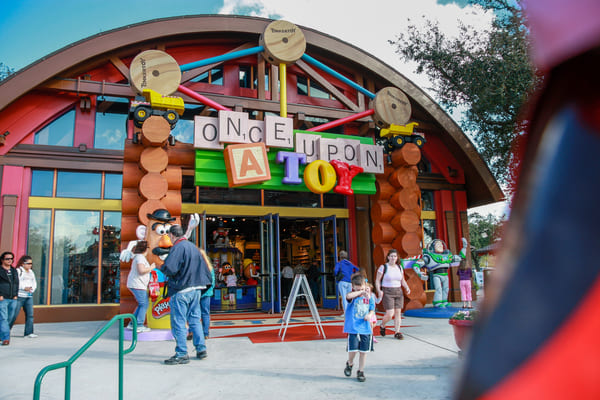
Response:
column 270, row 284
column 329, row 252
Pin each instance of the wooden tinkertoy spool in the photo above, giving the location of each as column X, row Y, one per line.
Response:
column 284, row 43
column 391, row 107
column 156, row 70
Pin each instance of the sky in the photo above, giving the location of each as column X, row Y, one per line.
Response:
column 32, row 29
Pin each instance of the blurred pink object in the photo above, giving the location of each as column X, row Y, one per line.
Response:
column 559, row 31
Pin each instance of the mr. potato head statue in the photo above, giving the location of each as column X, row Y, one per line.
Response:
column 155, row 232
column 251, row 272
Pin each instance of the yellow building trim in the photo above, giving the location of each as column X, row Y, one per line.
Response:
column 256, row 211
column 74, row 204
column 427, row 214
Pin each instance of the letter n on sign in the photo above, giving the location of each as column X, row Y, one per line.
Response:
column 246, row 164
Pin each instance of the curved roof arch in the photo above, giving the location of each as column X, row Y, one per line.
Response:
column 481, row 186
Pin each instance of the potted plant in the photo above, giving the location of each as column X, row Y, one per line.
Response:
column 462, row 322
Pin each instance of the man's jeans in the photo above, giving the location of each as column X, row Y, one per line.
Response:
column 27, row 304
column 344, row 288
column 141, row 296
column 185, row 307
column 205, row 311
column 7, row 310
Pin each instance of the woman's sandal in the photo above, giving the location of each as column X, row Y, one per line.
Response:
column 382, row 330
column 399, row 336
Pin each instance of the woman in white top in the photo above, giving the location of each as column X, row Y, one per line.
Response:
column 27, row 286
column 389, row 282
column 137, row 283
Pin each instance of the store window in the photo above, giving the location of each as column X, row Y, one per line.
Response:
column 309, row 87
column 211, row 195
column 292, row 199
column 427, row 200
column 42, row 183
column 79, row 184
column 75, row 257
column 213, row 77
column 111, row 249
column 429, row 232
column 248, row 77
column 113, row 186
column 59, row 132
column 111, row 123
column 184, row 129
column 38, row 247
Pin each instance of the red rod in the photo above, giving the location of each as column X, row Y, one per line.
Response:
column 341, row 121
column 201, row 99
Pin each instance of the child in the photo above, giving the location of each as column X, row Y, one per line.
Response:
column 231, row 280
column 376, row 300
column 464, row 275
column 137, row 283
column 357, row 324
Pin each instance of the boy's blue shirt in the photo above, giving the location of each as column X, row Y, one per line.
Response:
column 354, row 318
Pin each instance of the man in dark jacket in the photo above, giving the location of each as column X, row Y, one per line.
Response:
column 346, row 269
column 187, row 274
column 9, row 289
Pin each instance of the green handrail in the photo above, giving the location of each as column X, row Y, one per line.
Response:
column 67, row 364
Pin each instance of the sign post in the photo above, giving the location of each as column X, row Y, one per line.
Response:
column 300, row 281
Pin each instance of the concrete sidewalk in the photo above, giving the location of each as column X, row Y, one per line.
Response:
column 422, row 366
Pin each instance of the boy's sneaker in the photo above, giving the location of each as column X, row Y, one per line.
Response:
column 142, row 329
column 130, row 327
column 360, row 376
column 178, row 360
column 348, row 369
column 32, row 335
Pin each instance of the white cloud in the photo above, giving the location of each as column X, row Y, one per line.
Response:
column 367, row 25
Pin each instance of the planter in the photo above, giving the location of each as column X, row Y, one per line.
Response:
column 462, row 331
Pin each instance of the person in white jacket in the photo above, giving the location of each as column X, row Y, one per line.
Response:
column 27, row 285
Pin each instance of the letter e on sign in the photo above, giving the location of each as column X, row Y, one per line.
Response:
column 279, row 132
column 246, row 164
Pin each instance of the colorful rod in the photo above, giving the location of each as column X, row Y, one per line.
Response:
column 201, row 99
column 337, row 75
column 282, row 90
column 221, row 58
column 341, row 121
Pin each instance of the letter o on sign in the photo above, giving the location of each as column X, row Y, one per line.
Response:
column 319, row 176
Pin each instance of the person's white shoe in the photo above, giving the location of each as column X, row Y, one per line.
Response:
column 130, row 327
column 142, row 329
column 32, row 335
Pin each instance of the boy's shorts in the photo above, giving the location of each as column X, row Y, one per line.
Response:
column 358, row 342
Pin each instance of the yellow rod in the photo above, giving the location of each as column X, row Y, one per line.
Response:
column 282, row 91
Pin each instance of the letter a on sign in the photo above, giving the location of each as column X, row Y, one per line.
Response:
column 246, row 164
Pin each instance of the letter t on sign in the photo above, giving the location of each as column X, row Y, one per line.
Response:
column 246, row 164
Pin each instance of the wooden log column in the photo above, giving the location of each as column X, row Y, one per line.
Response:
column 396, row 217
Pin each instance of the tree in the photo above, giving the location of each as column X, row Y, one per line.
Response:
column 5, row 71
column 483, row 231
column 488, row 73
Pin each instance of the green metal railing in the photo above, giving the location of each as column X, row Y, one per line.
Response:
column 67, row 364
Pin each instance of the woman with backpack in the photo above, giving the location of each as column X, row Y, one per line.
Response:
column 389, row 283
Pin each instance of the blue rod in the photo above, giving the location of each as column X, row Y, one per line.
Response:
column 221, row 58
column 337, row 75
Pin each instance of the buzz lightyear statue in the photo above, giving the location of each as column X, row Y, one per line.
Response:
column 437, row 259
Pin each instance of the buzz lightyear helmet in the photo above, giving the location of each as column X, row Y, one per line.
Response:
column 437, row 243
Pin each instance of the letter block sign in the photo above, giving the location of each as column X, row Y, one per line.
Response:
column 246, row 164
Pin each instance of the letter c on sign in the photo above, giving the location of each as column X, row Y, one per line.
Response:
column 319, row 169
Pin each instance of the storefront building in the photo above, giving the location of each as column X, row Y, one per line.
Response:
column 70, row 189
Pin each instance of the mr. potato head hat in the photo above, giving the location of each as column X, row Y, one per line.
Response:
column 161, row 215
